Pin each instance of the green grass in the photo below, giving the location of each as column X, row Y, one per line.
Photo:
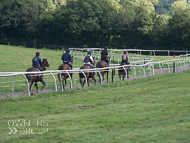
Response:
column 153, row 109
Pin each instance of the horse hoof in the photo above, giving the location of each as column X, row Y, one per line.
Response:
column 41, row 89
column 31, row 93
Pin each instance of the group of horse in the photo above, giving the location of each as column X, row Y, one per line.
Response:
column 83, row 74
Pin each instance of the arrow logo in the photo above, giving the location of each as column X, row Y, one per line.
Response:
column 13, row 130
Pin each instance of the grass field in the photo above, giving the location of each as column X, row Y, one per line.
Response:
column 152, row 109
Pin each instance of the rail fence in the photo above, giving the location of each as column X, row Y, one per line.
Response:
column 145, row 65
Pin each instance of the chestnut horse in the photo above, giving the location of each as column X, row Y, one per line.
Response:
column 63, row 76
column 89, row 74
column 36, row 77
column 121, row 71
column 102, row 64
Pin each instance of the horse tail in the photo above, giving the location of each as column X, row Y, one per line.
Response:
column 29, row 77
column 98, row 65
column 59, row 77
column 59, row 74
column 81, row 75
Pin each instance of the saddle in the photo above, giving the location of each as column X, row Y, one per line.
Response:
column 69, row 65
column 89, row 66
column 106, row 63
column 37, row 69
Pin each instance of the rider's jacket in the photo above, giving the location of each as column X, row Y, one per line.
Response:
column 124, row 58
column 104, row 54
column 36, row 61
column 66, row 57
column 87, row 59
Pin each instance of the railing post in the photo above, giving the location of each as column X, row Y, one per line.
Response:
column 13, row 83
column 174, row 67
column 112, row 74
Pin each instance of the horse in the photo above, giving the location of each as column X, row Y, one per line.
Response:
column 102, row 64
column 63, row 76
column 89, row 74
column 36, row 77
column 121, row 71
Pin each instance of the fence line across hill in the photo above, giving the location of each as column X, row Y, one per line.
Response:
column 113, row 56
column 138, row 51
column 144, row 64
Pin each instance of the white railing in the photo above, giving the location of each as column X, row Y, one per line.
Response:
column 134, row 65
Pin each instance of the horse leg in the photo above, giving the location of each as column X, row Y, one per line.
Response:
column 65, row 82
column 81, row 82
column 127, row 74
column 31, row 86
column 36, row 85
column 84, row 82
column 88, row 81
column 94, row 79
column 99, row 77
column 43, row 84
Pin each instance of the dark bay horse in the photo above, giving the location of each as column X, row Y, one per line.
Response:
column 36, row 77
column 89, row 74
column 121, row 71
column 102, row 64
column 63, row 76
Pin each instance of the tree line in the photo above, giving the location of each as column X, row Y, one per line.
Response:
column 96, row 23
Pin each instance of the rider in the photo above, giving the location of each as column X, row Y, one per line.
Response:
column 36, row 61
column 125, row 59
column 66, row 57
column 88, row 60
column 104, row 55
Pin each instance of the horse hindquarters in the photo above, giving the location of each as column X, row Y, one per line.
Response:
column 29, row 77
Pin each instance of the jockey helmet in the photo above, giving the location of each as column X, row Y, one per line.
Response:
column 125, row 52
column 67, row 50
column 37, row 53
column 105, row 47
column 89, row 53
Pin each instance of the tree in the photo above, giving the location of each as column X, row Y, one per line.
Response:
column 179, row 25
column 17, row 19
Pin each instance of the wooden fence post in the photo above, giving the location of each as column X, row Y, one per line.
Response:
column 174, row 67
